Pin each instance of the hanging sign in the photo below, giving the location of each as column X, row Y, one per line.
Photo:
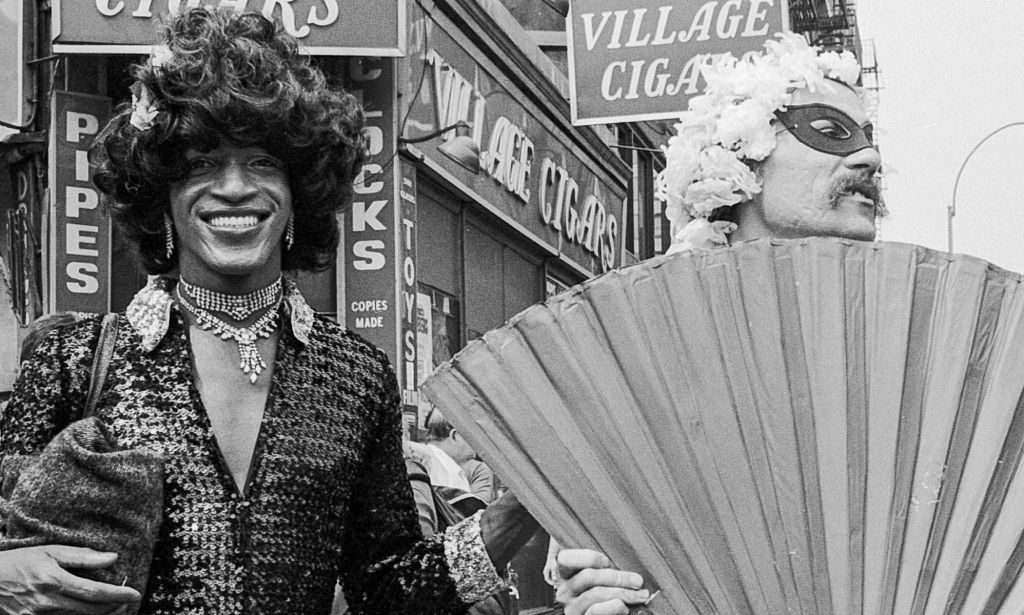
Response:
column 79, row 251
column 372, row 225
column 322, row 27
column 633, row 60
column 407, row 196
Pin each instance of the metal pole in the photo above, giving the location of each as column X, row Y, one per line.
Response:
column 951, row 211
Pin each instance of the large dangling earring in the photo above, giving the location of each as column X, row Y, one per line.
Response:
column 168, row 237
column 289, row 232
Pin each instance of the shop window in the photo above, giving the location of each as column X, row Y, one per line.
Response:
column 500, row 280
column 661, row 238
column 662, row 226
column 553, row 286
column 485, row 282
column 522, row 283
column 438, row 324
column 439, row 242
column 640, row 212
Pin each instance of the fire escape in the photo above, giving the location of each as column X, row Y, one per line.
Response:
column 831, row 24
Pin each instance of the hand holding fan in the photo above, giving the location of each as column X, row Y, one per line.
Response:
column 816, row 426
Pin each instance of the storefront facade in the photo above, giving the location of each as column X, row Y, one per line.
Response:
column 540, row 206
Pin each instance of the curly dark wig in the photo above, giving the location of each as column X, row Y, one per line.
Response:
column 238, row 78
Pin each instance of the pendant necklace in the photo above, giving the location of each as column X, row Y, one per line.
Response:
column 250, row 361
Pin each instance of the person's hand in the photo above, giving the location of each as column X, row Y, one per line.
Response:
column 551, row 572
column 551, row 563
column 34, row 580
column 590, row 586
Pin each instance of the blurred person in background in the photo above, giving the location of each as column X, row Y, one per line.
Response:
column 457, row 462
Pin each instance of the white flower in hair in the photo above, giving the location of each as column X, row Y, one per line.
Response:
column 144, row 105
column 701, row 234
column 682, row 159
column 843, row 67
column 144, row 108
column 731, row 122
column 158, row 55
column 746, row 129
column 735, row 79
column 724, row 181
column 796, row 61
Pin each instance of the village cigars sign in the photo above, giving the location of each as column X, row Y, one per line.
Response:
column 322, row 27
column 632, row 60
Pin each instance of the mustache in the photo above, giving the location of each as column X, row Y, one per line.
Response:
column 868, row 185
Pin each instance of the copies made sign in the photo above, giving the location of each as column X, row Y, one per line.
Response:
column 632, row 60
column 322, row 27
column 373, row 224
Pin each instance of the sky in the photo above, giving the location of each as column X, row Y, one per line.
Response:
column 951, row 72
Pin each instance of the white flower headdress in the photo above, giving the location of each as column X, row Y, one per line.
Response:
column 145, row 107
column 731, row 123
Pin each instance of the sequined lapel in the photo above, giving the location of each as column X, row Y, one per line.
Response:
column 150, row 311
column 299, row 311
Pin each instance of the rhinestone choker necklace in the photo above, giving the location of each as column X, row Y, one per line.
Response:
column 238, row 307
column 250, row 361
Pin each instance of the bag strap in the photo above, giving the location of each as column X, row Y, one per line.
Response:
column 101, row 361
column 416, row 471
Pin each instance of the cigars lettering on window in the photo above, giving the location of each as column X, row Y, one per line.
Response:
column 561, row 192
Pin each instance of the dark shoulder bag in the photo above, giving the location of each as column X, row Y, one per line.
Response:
column 12, row 465
column 101, row 362
column 83, row 490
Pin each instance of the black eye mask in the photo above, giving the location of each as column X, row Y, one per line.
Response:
column 826, row 129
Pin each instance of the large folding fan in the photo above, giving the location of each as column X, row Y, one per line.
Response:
column 814, row 426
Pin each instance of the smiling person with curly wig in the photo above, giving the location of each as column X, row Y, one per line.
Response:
column 280, row 431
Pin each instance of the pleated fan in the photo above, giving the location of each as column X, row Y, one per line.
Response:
column 812, row 426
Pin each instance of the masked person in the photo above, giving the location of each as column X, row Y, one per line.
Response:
column 280, row 430
column 778, row 145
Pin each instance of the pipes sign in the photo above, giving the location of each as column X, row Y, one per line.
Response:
column 632, row 60
column 79, row 242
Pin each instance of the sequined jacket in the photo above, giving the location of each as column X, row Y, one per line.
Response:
column 327, row 496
